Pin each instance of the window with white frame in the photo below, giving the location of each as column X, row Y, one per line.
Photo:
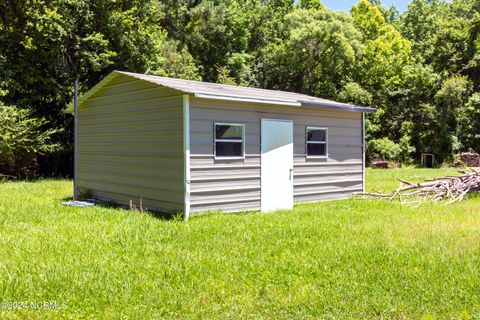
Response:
column 316, row 142
column 229, row 140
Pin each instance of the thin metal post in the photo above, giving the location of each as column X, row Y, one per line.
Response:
column 363, row 151
column 75, row 138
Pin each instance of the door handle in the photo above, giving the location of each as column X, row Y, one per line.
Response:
column 291, row 173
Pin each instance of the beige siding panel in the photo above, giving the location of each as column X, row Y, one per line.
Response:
column 133, row 188
column 234, row 185
column 223, row 195
column 326, row 196
column 209, row 162
column 134, row 160
column 345, row 158
column 328, row 177
column 156, row 173
column 230, row 173
column 227, row 207
column 121, row 86
column 134, row 117
column 302, row 167
column 148, row 93
column 147, row 204
column 131, row 146
column 147, row 127
column 225, row 183
column 223, row 106
column 321, row 187
column 97, row 110
column 215, row 184
column 133, row 137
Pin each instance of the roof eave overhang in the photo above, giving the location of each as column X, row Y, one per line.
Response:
column 243, row 99
column 336, row 106
column 307, row 104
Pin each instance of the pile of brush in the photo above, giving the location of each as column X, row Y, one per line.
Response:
column 449, row 188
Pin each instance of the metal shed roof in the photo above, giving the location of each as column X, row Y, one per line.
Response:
column 235, row 93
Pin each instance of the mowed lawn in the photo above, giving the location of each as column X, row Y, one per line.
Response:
column 341, row 259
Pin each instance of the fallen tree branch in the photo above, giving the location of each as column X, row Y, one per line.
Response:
column 449, row 188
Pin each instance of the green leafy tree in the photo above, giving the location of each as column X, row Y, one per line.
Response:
column 224, row 76
column 45, row 45
column 368, row 18
column 353, row 93
column 413, row 102
column 310, row 4
column 405, row 143
column 384, row 149
column 445, row 35
column 469, row 124
column 419, row 24
column 385, row 59
column 449, row 100
column 213, row 31
column 386, row 52
column 317, row 56
column 383, row 70
column 22, row 138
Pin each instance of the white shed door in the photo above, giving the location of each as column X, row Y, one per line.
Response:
column 277, row 164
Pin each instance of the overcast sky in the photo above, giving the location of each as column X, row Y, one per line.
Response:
column 346, row 4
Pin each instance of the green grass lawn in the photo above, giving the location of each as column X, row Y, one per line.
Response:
column 340, row 259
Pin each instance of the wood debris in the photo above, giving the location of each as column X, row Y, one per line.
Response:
column 470, row 159
column 449, row 188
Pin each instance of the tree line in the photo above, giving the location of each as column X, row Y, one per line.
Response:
column 419, row 68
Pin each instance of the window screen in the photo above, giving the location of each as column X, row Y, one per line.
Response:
column 317, row 142
column 229, row 140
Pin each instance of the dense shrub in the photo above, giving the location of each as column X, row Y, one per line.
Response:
column 22, row 138
column 384, row 149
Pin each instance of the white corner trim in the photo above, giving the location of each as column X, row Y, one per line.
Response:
column 363, row 151
column 186, row 155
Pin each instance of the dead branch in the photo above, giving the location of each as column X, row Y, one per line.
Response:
column 449, row 188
